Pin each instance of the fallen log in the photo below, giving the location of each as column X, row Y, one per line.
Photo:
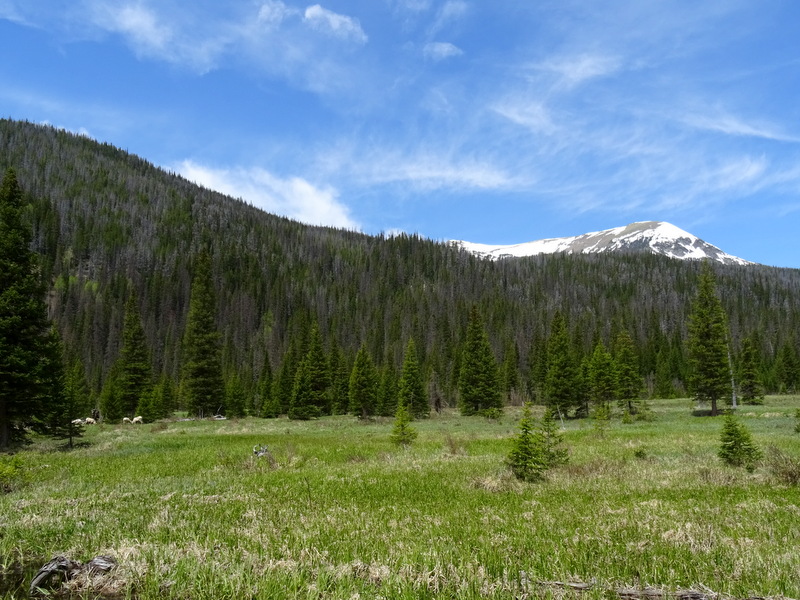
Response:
column 61, row 569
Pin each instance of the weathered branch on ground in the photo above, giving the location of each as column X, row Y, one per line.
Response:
column 61, row 569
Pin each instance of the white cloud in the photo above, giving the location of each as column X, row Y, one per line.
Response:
column 531, row 114
column 574, row 70
column 341, row 26
column 292, row 197
column 731, row 125
column 441, row 50
column 452, row 10
column 137, row 23
column 274, row 12
column 434, row 172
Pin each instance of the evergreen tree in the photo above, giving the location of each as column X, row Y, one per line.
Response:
column 737, row 448
column 340, row 381
column 134, row 371
column 66, row 402
column 510, row 371
column 478, row 382
column 601, row 416
column 750, row 386
column 387, row 392
column 363, row 389
column 26, row 356
column 561, row 368
column 319, row 379
column 283, row 386
column 528, row 456
column 629, row 381
column 537, row 365
column 301, row 406
column 269, row 406
column 787, row 369
column 708, row 352
column 153, row 404
column 602, row 376
column 235, row 397
column 403, row 434
column 202, row 385
column 263, row 393
column 663, row 386
column 552, row 441
column 411, row 390
column 76, row 398
column 165, row 403
column 110, row 398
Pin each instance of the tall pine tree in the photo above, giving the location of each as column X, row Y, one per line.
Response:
column 134, row 369
column 363, row 389
column 562, row 371
column 202, row 386
column 478, row 382
column 750, row 387
column 26, row 355
column 602, row 377
column 411, row 389
column 709, row 379
column 629, row 381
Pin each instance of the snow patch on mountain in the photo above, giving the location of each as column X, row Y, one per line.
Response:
column 657, row 237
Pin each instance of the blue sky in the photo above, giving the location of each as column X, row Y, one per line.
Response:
column 494, row 122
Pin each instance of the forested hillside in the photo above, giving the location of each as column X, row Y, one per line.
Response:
column 108, row 223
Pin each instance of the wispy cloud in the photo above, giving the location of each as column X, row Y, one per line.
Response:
column 731, row 125
column 433, row 170
column 450, row 12
column 340, row 26
column 531, row 114
column 441, row 50
column 293, row 197
column 574, row 70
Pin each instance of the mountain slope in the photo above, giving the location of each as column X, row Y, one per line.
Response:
column 107, row 222
column 656, row 237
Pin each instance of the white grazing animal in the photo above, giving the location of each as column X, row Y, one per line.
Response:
column 89, row 421
column 77, row 422
column 137, row 420
column 126, row 420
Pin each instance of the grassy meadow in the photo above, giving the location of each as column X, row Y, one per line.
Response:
column 337, row 511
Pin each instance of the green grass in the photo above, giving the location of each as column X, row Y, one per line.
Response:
column 341, row 512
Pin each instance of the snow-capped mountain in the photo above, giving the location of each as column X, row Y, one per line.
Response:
column 657, row 237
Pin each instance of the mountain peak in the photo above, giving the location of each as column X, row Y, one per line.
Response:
column 655, row 237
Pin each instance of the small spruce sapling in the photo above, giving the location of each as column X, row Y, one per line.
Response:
column 403, row 434
column 554, row 450
column 528, row 456
column 737, row 448
column 601, row 419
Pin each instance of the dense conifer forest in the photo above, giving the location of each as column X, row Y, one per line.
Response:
column 112, row 229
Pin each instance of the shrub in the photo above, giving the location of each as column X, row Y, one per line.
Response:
column 738, row 449
column 11, row 473
column 493, row 413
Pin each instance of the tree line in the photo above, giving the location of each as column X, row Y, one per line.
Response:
column 112, row 230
